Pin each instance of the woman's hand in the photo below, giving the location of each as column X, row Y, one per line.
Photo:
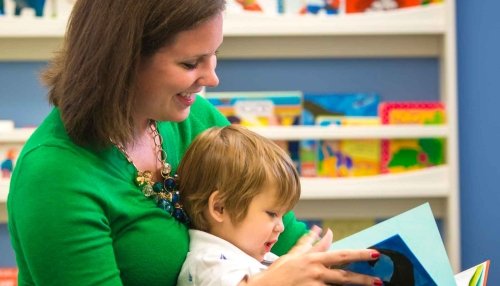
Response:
column 309, row 263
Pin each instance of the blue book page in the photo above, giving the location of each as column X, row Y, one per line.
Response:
column 416, row 233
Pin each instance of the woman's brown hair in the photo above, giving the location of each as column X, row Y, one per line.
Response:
column 238, row 163
column 92, row 80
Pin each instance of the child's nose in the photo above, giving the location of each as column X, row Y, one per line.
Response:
column 279, row 227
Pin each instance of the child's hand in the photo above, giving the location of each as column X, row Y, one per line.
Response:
column 313, row 241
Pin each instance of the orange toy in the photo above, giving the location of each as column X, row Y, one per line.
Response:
column 249, row 5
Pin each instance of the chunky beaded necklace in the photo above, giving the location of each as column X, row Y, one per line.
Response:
column 166, row 193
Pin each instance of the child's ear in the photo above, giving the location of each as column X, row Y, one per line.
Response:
column 216, row 207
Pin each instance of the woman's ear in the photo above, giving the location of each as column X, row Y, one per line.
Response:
column 216, row 207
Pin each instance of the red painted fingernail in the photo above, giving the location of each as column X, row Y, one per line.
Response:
column 378, row 282
column 375, row 255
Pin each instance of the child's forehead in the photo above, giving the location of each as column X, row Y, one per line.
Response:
column 270, row 196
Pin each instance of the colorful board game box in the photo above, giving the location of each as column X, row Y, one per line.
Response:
column 398, row 155
column 263, row 108
column 348, row 157
column 331, row 104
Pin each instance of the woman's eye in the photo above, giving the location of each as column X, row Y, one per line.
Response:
column 190, row 66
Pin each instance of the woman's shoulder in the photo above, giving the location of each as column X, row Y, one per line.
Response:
column 49, row 150
column 50, row 132
column 204, row 113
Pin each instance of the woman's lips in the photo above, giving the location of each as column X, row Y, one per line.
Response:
column 187, row 98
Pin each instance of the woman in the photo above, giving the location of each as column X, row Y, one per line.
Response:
column 92, row 200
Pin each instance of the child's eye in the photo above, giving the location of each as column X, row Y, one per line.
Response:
column 190, row 66
column 272, row 214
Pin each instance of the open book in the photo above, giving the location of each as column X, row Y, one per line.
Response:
column 412, row 252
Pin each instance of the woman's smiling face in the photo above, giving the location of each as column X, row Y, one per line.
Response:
column 169, row 80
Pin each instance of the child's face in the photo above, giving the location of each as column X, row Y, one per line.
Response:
column 259, row 230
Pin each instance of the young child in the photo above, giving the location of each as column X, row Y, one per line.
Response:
column 235, row 186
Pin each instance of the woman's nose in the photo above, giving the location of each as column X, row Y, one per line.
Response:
column 209, row 76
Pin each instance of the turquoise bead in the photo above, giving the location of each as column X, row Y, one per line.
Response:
column 158, row 187
column 166, row 206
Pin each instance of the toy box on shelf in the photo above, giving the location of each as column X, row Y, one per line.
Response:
column 398, row 155
column 331, row 104
column 263, row 108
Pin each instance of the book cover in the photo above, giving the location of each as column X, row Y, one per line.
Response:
column 399, row 155
column 331, row 104
column 397, row 264
column 411, row 243
column 263, row 108
column 348, row 157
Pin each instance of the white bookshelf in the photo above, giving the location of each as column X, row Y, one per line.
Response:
column 351, row 132
column 415, row 32
column 17, row 135
column 416, row 20
column 4, row 191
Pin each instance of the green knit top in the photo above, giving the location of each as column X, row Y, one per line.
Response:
column 77, row 218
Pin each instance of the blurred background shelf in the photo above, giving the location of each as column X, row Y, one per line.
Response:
column 424, row 183
column 351, row 132
column 409, row 32
column 18, row 135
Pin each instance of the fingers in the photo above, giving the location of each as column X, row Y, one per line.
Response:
column 324, row 243
column 307, row 241
column 343, row 277
column 342, row 257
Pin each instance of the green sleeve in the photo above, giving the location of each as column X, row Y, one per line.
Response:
column 65, row 234
column 293, row 231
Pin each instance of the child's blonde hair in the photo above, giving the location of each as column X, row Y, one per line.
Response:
column 238, row 163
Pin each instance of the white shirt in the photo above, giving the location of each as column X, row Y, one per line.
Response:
column 213, row 261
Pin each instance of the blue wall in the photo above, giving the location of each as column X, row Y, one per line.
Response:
column 23, row 99
column 394, row 79
column 478, row 28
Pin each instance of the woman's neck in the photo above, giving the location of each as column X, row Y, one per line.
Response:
column 143, row 151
